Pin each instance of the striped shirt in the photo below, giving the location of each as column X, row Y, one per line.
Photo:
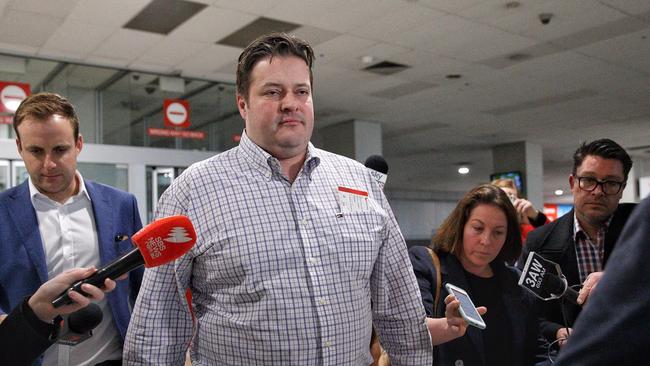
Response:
column 589, row 251
column 280, row 274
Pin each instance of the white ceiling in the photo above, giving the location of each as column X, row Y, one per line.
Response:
column 586, row 74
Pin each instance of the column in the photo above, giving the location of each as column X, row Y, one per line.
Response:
column 526, row 158
column 355, row 139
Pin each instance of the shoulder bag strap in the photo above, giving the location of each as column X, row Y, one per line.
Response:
column 436, row 265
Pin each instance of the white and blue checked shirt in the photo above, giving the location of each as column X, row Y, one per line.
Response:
column 278, row 278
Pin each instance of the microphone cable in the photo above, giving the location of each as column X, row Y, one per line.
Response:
column 566, row 326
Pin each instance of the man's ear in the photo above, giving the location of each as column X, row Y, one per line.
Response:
column 571, row 181
column 79, row 144
column 241, row 105
column 19, row 146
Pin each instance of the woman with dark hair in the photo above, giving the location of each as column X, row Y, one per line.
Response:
column 474, row 245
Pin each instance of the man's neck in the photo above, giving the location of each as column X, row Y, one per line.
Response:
column 291, row 166
column 591, row 228
column 63, row 197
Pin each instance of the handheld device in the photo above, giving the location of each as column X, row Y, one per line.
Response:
column 467, row 308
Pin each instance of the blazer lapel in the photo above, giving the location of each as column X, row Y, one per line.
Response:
column 25, row 221
column 569, row 251
column 103, row 222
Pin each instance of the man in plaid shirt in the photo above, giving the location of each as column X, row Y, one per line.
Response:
column 298, row 253
column 582, row 240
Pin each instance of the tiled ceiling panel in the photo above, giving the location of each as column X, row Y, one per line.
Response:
column 245, row 35
column 163, row 16
column 212, row 24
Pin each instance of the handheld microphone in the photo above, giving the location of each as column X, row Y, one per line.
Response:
column 378, row 168
column 545, row 280
column 79, row 325
column 158, row 243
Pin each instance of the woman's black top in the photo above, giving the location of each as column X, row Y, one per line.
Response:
column 497, row 336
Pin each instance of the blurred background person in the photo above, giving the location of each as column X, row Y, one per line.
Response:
column 474, row 245
column 529, row 217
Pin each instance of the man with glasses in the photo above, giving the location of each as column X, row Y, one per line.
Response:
column 582, row 240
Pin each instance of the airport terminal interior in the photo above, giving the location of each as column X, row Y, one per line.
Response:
column 452, row 93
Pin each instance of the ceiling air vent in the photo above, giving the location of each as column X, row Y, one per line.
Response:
column 386, row 68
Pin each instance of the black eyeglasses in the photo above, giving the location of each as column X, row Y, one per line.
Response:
column 609, row 187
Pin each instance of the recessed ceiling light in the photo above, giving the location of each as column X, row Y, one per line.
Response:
column 367, row 59
column 558, row 192
column 463, row 169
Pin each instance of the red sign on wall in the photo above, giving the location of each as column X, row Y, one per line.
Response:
column 11, row 94
column 165, row 132
column 550, row 210
column 177, row 113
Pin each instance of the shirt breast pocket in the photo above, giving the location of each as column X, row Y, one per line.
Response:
column 360, row 237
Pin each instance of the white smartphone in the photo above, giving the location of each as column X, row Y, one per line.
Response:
column 467, row 308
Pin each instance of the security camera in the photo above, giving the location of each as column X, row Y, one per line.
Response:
column 149, row 89
column 545, row 18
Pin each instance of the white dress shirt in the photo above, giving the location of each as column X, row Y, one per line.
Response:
column 69, row 238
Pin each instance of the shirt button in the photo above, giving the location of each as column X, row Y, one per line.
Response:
column 328, row 344
column 313, row 260
column 322, row 301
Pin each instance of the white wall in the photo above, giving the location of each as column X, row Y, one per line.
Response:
column 419, row 219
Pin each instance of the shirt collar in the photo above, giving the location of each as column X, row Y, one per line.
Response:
column 268, row 165
column 35, row 194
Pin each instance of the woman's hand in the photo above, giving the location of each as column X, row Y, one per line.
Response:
column 452, row 325
column 457, row 325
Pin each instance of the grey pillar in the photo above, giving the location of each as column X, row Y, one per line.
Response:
column 355, row 139
column 526, row 158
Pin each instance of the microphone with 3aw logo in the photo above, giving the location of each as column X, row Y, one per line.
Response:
column 158, row 243
column 545, row 280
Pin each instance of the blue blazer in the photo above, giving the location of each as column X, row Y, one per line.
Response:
column 470, row 348
column 22, row 259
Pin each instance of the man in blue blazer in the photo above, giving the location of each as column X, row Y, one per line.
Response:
column 56, row 221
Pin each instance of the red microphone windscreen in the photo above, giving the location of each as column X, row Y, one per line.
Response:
column 165, row 239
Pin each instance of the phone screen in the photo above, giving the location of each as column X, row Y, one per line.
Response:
column 467, row 306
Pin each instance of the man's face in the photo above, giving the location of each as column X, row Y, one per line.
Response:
column 279, row 113
column 50, row 152
column 596, row 207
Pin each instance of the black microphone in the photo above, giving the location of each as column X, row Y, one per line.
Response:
column 378, row 167
column 545, row 280
column 78, row 326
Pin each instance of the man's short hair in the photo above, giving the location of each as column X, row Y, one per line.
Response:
column 270, row 45
column 42, row 106
column 604, row 148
